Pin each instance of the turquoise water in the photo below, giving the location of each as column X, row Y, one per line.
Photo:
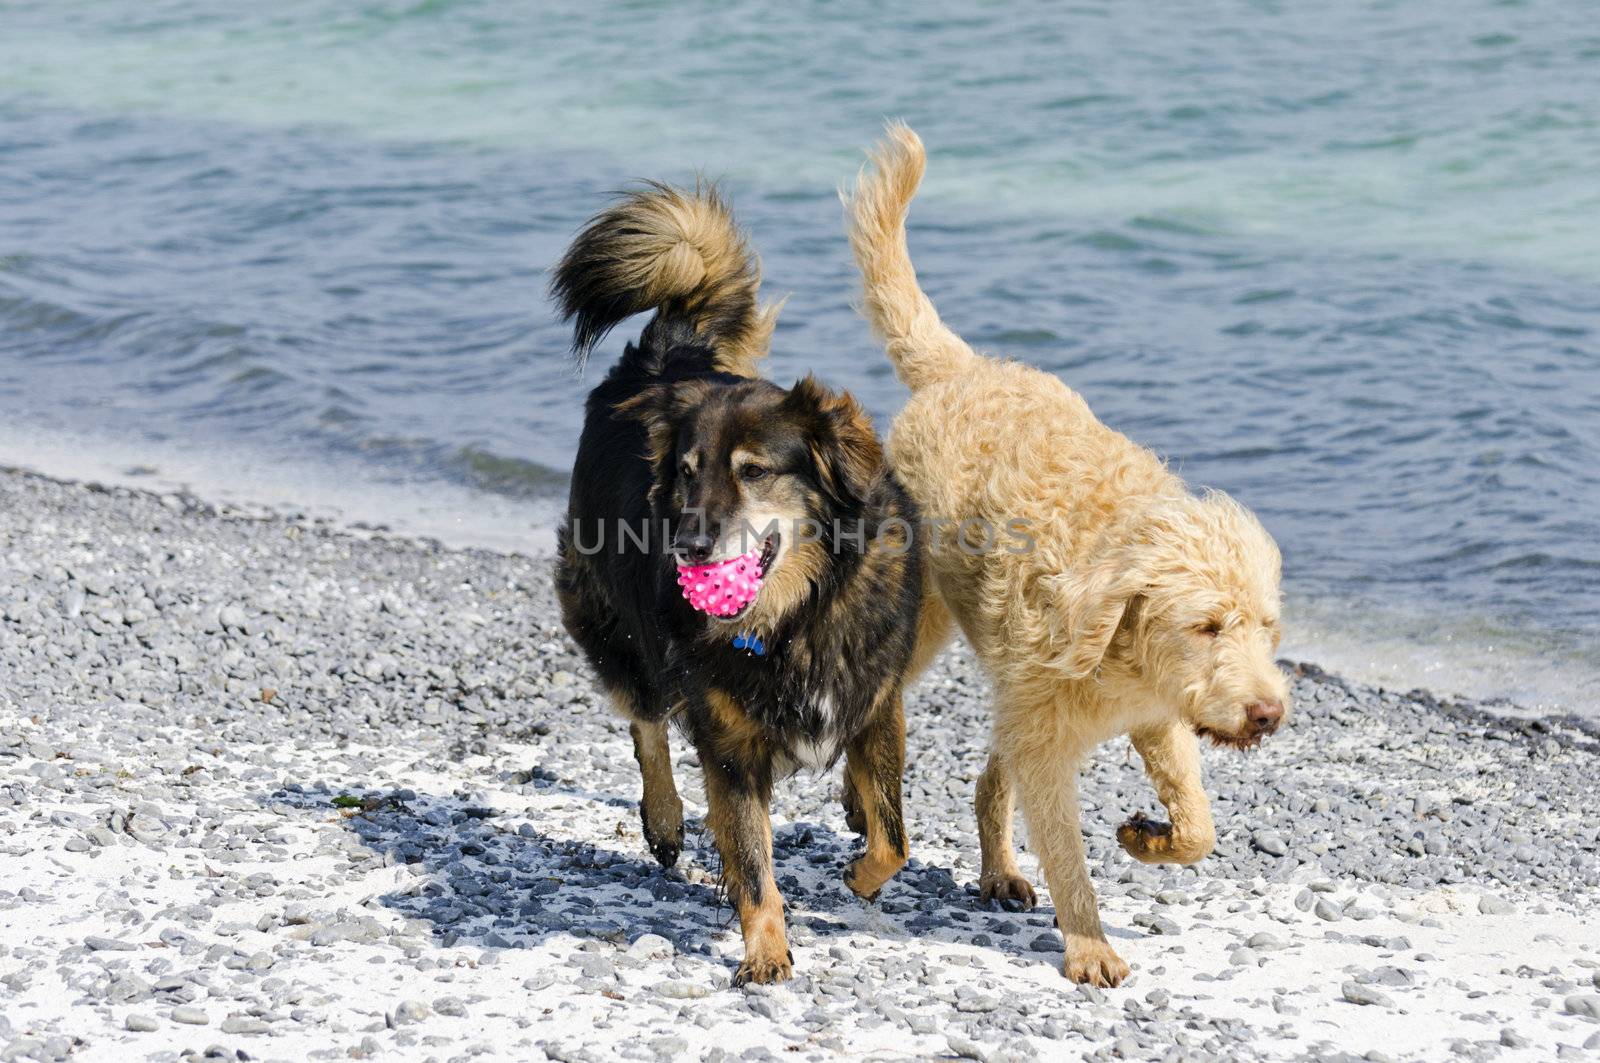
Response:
column 1343, row 262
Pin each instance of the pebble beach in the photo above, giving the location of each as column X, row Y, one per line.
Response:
column 276, row 789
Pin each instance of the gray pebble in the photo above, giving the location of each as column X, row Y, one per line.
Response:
column 669, row 1048
column 388, row 657
column 1269, row 842
column 128, row 989
column 1585, row 1005
column 243, row 1024
column 963, row 1048
column 594, row 966
column 411, row 1011
column 450, row 1006
column 1489, row 904
column 651, row 947
column 973, row 1002
column 1356, row 993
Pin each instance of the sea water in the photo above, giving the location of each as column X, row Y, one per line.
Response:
column 1341, row 260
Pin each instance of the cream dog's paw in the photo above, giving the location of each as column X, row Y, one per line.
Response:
column 1010, row 888
column 1092, row 961
column 1151, row 841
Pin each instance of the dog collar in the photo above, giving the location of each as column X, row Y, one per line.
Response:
column 751, row 643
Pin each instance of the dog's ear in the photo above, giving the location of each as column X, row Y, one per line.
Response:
column 661, row 408
column 845, row 449
column 1091, row 605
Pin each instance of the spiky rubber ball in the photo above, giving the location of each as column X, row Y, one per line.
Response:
column 722, row 588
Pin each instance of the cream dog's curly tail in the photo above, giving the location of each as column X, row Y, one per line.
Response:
column 924, row 351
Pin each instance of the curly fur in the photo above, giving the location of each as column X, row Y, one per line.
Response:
column 1141, row 609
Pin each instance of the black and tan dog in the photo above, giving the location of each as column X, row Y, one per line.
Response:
column 688, row 458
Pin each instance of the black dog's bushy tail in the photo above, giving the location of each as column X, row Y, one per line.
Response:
column 678, row 252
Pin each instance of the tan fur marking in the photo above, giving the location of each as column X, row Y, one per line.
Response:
column 660, row 808
column 737, row 734
column 672, row 245
column 788, row 586
column 875, row 761
column 659, row 409
column 742, row 827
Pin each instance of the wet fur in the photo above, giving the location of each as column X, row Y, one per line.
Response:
column 838, row 618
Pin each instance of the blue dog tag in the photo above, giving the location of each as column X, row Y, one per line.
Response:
column 751, row 643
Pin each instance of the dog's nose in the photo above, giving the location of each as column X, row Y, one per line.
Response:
column 696, row 548
column 1265, row 716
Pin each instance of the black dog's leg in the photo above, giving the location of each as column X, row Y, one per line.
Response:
column 875, row 760
column 660, row 808
column 738, row 774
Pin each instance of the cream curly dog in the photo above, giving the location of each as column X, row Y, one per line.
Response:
column 1141, row 608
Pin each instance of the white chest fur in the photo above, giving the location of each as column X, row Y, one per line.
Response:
column 818, row 750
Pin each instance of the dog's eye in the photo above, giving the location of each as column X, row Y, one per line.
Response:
column 753, row 472
column 1210, row 629
column 688, row 471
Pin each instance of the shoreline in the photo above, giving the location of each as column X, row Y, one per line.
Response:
column 190, row 686
column 526, row 529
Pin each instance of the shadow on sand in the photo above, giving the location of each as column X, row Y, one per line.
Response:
column 497, row 880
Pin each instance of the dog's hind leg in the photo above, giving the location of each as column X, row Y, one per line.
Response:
column 1046, row 780
column 1000, row 878
column 934, row 628
column 935, row 625
column 660, row 808
column 874, row 762
column 1172, row 760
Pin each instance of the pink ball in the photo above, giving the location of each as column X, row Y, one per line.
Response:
column 722, row 588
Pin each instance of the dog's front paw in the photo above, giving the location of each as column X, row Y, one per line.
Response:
column 1151, row 841
column 663, row 833
column 1146, row 840
column 865, row 877
column 1092, row 961
column 1010, row 888
column 854, row 818
column 667, row 850
column 764, row 970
